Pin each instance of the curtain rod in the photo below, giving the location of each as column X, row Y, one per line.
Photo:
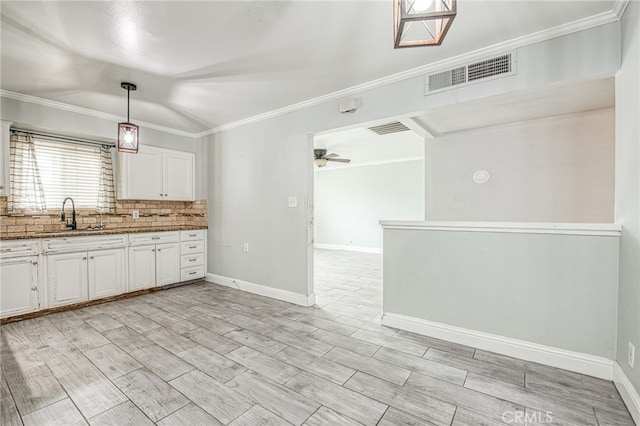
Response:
column 60, row 138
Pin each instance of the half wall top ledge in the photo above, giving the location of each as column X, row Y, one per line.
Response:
column 601, row 229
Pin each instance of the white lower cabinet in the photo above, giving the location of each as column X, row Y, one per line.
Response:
column 167, row 263
column 192, row 249
column 19, row 286
column 154, row 260
column 142, row 267
column 77, row 277
column 67, row 278
column 106, row 273
column 76, row 269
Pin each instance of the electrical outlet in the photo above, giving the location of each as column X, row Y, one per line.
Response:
column 245, row 247
column 135, row 214
column 293, row 201
column 631, row 355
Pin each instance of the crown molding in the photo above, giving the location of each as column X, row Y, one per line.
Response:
column 88, row 112
column 619, row 7
column 537, row 37
column 582, row 24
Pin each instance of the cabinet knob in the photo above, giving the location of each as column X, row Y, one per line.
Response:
column 34, row 288
column 159, row 249
column 84, row 258
column 161, row 194
column 153, row 249
column 91, row 257
column 165, row 195
column 34, row 262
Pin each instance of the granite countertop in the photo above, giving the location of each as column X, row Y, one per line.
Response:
column 84, row 233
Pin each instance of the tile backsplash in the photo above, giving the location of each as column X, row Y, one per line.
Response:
column 152, row 214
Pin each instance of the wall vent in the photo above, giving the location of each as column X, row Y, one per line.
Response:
column 499, row 66
column 385, row 129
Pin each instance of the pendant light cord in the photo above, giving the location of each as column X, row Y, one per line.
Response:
column 128, row 91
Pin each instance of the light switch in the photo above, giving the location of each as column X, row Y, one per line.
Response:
column 293, row 201
column 135, row 214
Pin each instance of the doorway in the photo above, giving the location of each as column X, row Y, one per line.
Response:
column 384, row 180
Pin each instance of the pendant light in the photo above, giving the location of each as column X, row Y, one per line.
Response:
column 421, row 22
column 128, row 132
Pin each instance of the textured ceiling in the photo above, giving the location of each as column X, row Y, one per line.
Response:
column 200, row 65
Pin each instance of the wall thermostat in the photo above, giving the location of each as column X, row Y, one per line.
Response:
column 481, row 176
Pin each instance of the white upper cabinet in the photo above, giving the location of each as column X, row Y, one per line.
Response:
column 156, row 174
column 178, row 176
column 140, row 175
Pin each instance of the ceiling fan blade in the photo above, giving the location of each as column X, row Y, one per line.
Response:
column 333, row 154
column 339, row 160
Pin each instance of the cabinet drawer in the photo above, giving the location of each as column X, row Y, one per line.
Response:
column 15, row 248
column 190, row 247
column 189, row 260
column 154, row 238
column 85, row 243
column 196, row 234
column 192, row 273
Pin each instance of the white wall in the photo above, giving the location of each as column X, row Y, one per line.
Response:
column 554, row 290
column 252, row 169
column 252, row 172
column 558, row 169
column 627, row 205
column 350, row 201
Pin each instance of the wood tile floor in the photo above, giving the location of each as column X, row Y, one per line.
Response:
column 203, row 354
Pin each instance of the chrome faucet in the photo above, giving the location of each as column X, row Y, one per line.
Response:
column 73, row 224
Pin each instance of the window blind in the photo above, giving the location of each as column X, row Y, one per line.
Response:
column 69, row 170
column 61, row 167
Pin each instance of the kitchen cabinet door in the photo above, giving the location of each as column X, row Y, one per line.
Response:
column 18, row 286
column 66, row 278
column 167, row 263
column 178, row 176
column 156, row 174
column 142, row 267
column 140, row 176
column 106, row 273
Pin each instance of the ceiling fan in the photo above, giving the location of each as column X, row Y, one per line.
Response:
column 320, row 157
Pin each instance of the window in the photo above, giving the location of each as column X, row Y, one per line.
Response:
column 60, row 169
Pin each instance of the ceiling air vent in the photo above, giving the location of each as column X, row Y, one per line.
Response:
column 499, row 66
column 448, row 78
column 393, row 127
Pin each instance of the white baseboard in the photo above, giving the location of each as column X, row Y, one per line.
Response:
column 629, row 394
column 348, row 248
column 560, row 358
column 262, row 290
